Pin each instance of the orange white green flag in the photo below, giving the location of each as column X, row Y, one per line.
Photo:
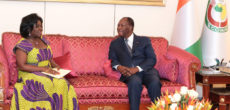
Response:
column 214, row 36
column 185, row 34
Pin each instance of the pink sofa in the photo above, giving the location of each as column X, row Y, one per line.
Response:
column 94, row 87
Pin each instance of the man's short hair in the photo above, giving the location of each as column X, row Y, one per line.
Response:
column 130, row 21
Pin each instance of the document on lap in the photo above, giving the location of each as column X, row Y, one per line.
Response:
column 62, row 72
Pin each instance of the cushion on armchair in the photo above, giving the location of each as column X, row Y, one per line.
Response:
column 109, row 71
column 168, row 68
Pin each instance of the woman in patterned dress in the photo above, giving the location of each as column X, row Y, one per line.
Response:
column 34, row 90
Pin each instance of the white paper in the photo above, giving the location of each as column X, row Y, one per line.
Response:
column 210, row 71
column 62, row 72
column 228, row 64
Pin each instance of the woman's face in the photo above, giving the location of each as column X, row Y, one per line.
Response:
column 37, row 29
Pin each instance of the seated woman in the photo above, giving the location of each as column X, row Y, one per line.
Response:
column 34, row 90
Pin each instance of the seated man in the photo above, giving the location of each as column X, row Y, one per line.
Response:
column 134, row 57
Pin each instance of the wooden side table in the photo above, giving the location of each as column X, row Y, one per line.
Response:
column 220, row 96
column 207, row 79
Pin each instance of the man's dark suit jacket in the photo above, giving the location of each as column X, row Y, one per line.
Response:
column 142, row 53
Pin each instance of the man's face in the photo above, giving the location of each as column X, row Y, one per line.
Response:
column 124, row 29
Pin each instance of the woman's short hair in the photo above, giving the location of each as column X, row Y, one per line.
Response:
column 27, row 24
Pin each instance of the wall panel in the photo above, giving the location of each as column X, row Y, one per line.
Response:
column 11, row 13
column 79, row 19
column 151, row 21
column 97, row 19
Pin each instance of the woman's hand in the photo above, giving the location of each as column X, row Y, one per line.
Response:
column 54, row 64
column 50, row 70
column 58, row 67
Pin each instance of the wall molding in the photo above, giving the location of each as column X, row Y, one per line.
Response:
column 121, row 2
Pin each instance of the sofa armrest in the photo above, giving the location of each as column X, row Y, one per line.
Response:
column 1, row 75
column 188, row 66
column 3, row 69
column 4, row 73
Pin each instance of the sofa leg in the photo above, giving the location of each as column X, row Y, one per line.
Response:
column 4, row 106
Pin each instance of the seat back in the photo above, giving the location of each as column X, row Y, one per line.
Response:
column 9, row 40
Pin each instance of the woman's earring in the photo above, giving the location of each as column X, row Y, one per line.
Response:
column 29, row 34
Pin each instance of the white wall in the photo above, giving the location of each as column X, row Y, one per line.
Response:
column 11, row 14
column 79, row 19
column 96, row 19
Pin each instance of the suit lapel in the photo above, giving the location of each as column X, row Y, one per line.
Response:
column 135, row 43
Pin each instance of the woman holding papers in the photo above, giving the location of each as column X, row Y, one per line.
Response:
column 35, row 90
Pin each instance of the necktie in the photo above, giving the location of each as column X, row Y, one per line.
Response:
column 127, row 45
column 129, row 49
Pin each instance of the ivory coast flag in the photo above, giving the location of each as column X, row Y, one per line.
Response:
column 214, row 36
column 185, row 34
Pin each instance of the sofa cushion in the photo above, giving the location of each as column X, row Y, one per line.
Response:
column 13, row 69
column 9, row 40
column 168, row 69
column 109, row 72
column 88, row 54
column 99, row 87
column 65, row 63
column 56, row 44
column 8, row 94
column 160, row 46
column 91, row 87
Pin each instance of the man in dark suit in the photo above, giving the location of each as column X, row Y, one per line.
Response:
column 134, row 57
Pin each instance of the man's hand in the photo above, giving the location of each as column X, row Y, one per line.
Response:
column 127, row 71
column 123, row 70
column 133, row 70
